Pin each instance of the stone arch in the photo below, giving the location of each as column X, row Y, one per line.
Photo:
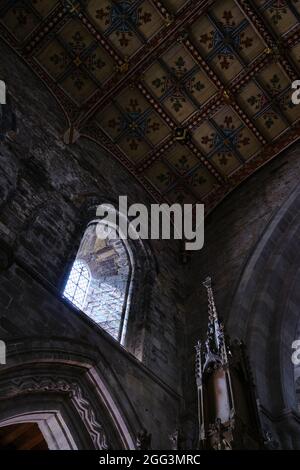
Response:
column 62, row 388
column 51, row 424
column 265, row 314
column 144, row 269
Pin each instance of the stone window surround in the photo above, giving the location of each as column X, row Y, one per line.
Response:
column 143, row 272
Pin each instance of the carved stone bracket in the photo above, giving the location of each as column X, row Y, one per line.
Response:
column 143, row 440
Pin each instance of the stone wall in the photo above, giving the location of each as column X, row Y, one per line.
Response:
column 36, row 322
column 45, row 188
column 232, row 233
column 236, row 225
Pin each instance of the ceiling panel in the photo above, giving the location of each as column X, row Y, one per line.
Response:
column 191, row 96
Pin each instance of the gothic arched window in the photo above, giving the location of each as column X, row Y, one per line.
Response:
column 99, row 281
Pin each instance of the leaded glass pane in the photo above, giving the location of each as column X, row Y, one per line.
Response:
column 98, row 281
column 77, row 286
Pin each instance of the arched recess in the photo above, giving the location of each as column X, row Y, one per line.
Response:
column 143, row 270
column 51, row 424
column 62, row 387
column 265, row 314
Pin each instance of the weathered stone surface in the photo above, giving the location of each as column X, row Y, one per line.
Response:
column 46, row 191
column 233, row 258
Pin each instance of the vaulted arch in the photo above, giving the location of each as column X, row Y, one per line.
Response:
column 265, row 314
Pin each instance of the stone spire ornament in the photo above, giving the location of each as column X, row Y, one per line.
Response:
column 227, row 414
column 215, row 348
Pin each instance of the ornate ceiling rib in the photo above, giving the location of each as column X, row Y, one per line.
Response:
column 191, row 96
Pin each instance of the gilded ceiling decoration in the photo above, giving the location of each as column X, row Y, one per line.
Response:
column 191, row 96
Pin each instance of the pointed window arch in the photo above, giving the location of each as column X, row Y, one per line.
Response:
column 100, row 278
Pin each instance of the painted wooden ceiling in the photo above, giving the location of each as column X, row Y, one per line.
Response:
column 191, row 96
